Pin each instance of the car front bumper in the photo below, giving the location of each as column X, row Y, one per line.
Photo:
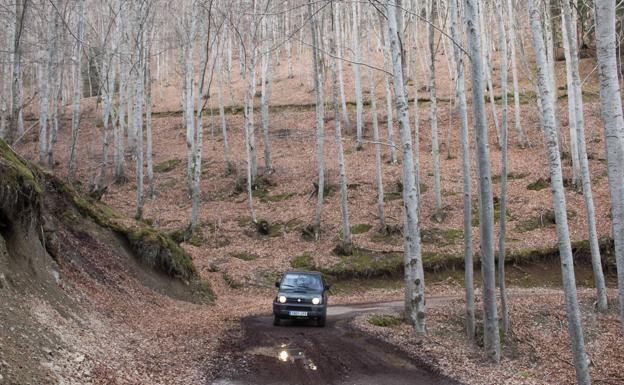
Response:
column 283, row 310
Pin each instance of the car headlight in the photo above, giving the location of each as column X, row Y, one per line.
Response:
column 316, row 300
column 282, row 299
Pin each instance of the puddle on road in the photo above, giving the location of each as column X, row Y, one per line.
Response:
column 286, row 354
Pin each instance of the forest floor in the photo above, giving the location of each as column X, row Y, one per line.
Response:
column 155, row 339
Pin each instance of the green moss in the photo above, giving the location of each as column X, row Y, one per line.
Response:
column 384, row 320
column 366, row 263
column 546, row 219
column 244, row 221
column 245, row 256
column 538, row 185
column 16, row 173
column 303, row 262
column 510, row 176
column 392, row 236
column 277, row 197
column 230, row 281
column 361, row 228
column 442, row 237
column 167, row 165
column 292, row 225
column 152, row 247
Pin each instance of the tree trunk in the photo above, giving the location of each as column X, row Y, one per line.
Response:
column 504, row 68
column 576, row 90
column 357, row 57
column 347, row 243
column 435, row 147
column 559, row 203
column 77, row 93
column 486, row 207
column 414, row 274
column 457, row 35
column 613, row 121
column 267, row 74
column 522, row 138
column 320, row 123
column 377, row 143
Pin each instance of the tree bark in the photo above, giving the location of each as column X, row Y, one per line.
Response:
column 611, row 102
column 559, row 202
column 486, row 207
column 414, row 274
column 77, row 92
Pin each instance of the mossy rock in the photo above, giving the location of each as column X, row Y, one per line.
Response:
column 546, row 219
column 510, row 176
column 168, row 165
column 230, row 281
column 20, row 191
column 361, row 228
column 245, row 256
column 392, row 235
column 292, row 225
column 244, row 221
column 384, row 320
column 152, row 247
column 441, row 237
column 274, row 229
column 538, row 185
column 302, row 262
column 366, row 263
column 277, row 197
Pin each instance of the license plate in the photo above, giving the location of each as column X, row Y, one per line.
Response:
column 298, row 313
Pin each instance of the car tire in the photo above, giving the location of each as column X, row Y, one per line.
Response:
column 276, row 320
column 320, row 321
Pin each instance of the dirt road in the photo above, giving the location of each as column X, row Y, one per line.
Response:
column 302, row 354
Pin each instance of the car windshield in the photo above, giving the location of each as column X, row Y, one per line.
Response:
column 294, row 281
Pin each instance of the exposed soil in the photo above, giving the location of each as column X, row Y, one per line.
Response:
column 300, row 353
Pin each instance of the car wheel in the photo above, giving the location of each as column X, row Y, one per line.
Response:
column 320, row 321
column 276, row 320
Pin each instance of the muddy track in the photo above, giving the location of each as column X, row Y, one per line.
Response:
column 303, row 354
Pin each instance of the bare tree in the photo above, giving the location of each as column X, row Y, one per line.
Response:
column 457, row 36
column 357, row 57
column 574, row 88
column 347, row 243
column 435, row 147
column 486, row 206
column 414, row 274
column 559, row 202
column 613, row 121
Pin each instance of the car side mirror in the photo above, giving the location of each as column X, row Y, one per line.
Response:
column 328, row 286
column 277, row 284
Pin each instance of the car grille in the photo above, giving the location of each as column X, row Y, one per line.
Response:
column 299, row 308
column 296, row 300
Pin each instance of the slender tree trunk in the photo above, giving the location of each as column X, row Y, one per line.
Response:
column 340, row 53
column 435, row 147
column 457, row 35
column 267, row 74
column 57, row 77
column 15, row 119
column 377, row 143
column 613, row 121
column 574, row 152
column 320, row 124
column 504, row 68
column 522, row 138
column 414, row 274
column 385, row 46
column 189, row 94
column 47, row 83
column 148, row 120
column 559, row 203
column 486, row 206
column 226, row 145
column 357, row 57
column 77, row 93
column 576, row 90
column 347, row 243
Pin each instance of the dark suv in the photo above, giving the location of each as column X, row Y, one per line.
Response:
column 301, row 295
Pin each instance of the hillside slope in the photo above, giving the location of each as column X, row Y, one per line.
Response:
column 85, row 291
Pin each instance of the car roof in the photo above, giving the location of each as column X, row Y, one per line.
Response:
column 302, row 272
